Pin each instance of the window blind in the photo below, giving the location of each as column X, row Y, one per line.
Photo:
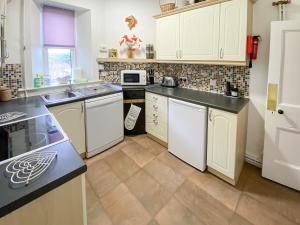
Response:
column 58, row 27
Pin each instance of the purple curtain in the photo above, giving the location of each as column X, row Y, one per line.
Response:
column 59, row 27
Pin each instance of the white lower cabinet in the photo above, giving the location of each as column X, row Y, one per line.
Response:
column 226, row 143
column 157, row 116
column 71, row 118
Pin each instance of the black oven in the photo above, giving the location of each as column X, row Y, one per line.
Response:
column 134, row 110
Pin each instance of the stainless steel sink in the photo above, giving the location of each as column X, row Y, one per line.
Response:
column 60, row 96
column 95, row 90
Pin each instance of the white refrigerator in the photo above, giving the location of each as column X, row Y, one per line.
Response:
column 187, row 128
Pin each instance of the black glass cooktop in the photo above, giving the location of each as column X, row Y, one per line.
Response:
column 24, row 136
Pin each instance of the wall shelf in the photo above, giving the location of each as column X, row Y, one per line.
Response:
column 204, row 62
column 124, row 60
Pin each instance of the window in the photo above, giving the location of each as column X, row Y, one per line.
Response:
column 59, row 64
column 59, row 44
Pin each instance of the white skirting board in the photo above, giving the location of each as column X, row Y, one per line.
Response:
column 253, row 161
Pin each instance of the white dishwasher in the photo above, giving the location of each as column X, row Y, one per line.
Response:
column 104, row 123
column 187, row 132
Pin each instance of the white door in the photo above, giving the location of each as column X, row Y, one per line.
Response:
column 233, row 30
column 167, row 37
column 187, row 132
column 199, row 31
column 221, row 141
column 281, row 161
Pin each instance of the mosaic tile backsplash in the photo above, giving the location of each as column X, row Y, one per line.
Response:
column 198, row 76
column 12, row 78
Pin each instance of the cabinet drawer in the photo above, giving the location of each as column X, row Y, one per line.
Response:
column 157, row 99
column 159, row 130
column 153, row 110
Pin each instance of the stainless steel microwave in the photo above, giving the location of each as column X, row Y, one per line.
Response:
column 133, row 77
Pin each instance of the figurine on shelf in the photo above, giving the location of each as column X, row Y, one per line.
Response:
column 132, row 43
column 131, row 22
column 282, row 8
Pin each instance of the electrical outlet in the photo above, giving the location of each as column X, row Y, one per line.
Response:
column 213, row 82
column 100, row 66
column 183, row 79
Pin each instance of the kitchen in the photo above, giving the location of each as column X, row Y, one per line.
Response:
column 149, row 112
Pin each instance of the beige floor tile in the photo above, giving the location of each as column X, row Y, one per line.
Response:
column 109, row 151
column 153, row 222
column 101, row 177
column 176, row 164
column 175, row 213
column 97, row 216
column 248, row 172
column 95, row 212
column 91, row 197
column 149, row 144
column 122, row 165
column 238, row 220
column 123, row 207
column 138, row 153
column 165, row 175
column 149, row 192
column 284, row 200
column 220, row 190
column 259, row 214
column 198, row 197
column 206, row 208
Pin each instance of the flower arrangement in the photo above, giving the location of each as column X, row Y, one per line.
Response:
column 132, row 43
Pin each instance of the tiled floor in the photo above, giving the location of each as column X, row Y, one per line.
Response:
column 139, row 183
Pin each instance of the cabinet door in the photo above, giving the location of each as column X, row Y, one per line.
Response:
column 167, row 37
column 233, row 30
column 199, row 31
column 221, row 143
column 71, row 119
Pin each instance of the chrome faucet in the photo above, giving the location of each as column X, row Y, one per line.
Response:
column 70, row 87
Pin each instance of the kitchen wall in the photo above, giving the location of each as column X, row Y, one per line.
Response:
column 199, row 77
column 13, row 31
column 115, row 27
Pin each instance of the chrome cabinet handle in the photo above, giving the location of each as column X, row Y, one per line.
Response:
column 82, row 108
column 221, row 53
column 210, row 115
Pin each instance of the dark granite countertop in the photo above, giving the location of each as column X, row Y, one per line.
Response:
column 32, row 106
column 233, row 105
column 65, row 167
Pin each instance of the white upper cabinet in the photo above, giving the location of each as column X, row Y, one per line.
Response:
column 233, row 30
column 215, row 33
column 199, row 34
column 167, row 37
